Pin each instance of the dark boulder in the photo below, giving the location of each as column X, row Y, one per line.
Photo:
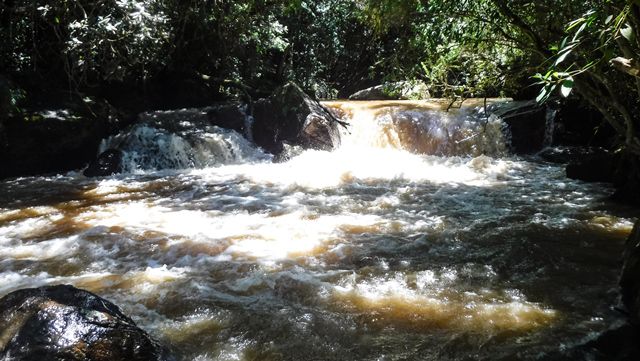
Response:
column 291, row 116
column 108, row 163
column 527, row 124
column 630, row 276
column 596, row 167
column 619, row 342
column 627, row 180
column 573, row 154
column 55, row 140
column 65, row 323
column 228, row 116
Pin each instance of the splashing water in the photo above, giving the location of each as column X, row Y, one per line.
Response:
column 180, row 140
column 420, row 238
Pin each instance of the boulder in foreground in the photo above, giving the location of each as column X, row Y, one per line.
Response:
column 66, row 323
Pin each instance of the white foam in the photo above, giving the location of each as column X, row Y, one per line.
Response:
column 39, row 251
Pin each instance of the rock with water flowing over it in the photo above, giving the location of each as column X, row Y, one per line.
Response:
column 290, row 116
column 108, row 163
column 402, row 90
column 179, row 139
column 630, row 276
column 66, row 323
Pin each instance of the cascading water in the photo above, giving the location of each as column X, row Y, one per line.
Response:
column 550, row 126
column 424, row 128
column 180, row 140
column 420, row 238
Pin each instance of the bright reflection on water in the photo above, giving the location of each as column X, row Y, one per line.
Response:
column 372, row 252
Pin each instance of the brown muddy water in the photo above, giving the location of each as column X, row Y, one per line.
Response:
column 420, row 238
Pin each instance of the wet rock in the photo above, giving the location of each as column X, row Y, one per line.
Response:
column 291, row 116
column 597, row 167
column 65, row 323
column 627, row 180
column 228, row 116
column 527, row 124
column 577, row 124
column 630, row 276
column 568, row 154
column 108, row 163
column 55, row 140
column 402, row 90
column 618, row 343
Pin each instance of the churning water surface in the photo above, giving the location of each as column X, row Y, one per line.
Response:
column 420, row 238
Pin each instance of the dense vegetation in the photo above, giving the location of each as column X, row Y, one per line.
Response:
column 163, row 53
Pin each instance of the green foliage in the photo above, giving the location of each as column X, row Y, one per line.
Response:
column 331, row 47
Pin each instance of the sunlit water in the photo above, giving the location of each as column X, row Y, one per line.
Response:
column 407, row 243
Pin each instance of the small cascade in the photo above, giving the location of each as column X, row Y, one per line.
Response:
column 248, row 123
column 179, row 140
column 209, row 137
column 550, row 125
column 423, row 128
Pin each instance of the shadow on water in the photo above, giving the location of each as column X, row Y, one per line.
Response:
column 369, row 270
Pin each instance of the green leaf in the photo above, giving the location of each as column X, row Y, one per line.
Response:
column 545, row 93
column 627, row 32
column 575, row 23
column 580, row 30
column 566, row 87
column 609, row 18
column 542, row 96
column 563, row 56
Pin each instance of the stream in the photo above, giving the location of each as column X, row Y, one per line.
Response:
column 420, row 238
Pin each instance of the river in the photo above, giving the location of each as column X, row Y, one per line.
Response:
column 420, row 238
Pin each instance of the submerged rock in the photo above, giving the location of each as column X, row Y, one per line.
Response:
column 291, row 116
column 66, row 323
column 108, row 163
column 402, row 90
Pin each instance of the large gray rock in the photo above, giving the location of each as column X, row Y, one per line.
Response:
column 290, row 116
column 402, row 90
column 66, row 323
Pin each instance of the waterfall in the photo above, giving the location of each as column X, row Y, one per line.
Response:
column 187, row 138
column 182, row 139
column 550, row 125
column 248, row 123
column 423, row 128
